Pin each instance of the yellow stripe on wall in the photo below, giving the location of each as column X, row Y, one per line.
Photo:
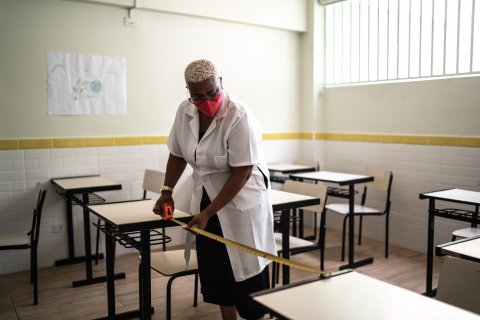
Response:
column 35, row 144
column 9, row 144
column 53, row 143
column 69, row 143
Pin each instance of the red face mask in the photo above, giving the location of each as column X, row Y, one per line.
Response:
column 210, row 107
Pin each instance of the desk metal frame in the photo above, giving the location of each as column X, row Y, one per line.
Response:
column 349, row 180
column 143, row 245
column 286, row 169
column 451, row 195
column 285, row 207
column 83, row 189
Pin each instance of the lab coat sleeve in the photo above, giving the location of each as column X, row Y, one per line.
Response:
column 173, row 143
column 244, row 142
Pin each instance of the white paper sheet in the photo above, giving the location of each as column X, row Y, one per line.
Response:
column 82, row 84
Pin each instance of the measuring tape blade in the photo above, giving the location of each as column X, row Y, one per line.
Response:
column 251, row 250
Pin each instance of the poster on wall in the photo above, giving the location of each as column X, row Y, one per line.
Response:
column 83, row 84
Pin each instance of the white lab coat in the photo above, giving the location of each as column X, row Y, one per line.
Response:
column 233, row 139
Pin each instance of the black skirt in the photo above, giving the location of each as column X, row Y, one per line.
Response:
column 216, row 276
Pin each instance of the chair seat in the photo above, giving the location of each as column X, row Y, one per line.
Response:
column 294, row 242
column 14, row 238
column 342, row 208
column 173, row 261
column 466, row 233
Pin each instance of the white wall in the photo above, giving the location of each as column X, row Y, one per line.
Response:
column 259, row 64
column 432, row 107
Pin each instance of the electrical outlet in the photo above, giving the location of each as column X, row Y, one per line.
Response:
column 130, row 22
column 57, row 227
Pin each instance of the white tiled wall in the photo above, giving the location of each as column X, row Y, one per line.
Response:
column 416, row 169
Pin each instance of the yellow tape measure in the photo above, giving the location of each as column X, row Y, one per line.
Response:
column 253, row 251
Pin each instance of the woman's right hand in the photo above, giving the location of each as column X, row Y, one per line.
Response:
column 165, row 198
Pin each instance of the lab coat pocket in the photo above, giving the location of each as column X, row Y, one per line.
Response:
column 221, row 162
column 251, row 194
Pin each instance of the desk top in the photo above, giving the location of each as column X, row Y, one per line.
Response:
column 86, row 184
column 355, row 296
column 289, row 168
column 336, row 177
column 282, row 200
column 133, row 215
column 464, row 248
column 454, row 195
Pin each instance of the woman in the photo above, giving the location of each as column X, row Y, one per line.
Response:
column 219, row 137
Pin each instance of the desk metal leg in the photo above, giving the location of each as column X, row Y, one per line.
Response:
column 300, row 223
column 322, row 233
column 110, row 252
column 431, row 232
column 351, row 236
column 146, row 292
column 89, row 279
column 71, row 241
column 285, row 245
column 86, row 232
column 351, row 224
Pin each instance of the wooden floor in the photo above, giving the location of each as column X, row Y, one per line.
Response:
column 58, row 300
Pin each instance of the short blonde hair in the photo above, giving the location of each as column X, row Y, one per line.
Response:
column 200, row 70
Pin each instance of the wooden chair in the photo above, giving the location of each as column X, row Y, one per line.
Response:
column 299, row 245
column 16, row 240
column 172, row 264
column 459, row 283
column 383, row 183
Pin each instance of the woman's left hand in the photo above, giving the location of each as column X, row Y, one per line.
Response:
column 199, row 221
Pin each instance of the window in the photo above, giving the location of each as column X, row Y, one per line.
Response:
column 378, row 40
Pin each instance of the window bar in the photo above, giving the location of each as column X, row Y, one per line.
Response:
column 359, row 33
column 420, row 42
column 433, row 33
column 409, row 37
column 471, row 36
column 445, row 38
column 368, row 41
column 398, row 37
column 458, row 36
column 332, row 25
column 341, row 44
column 388, row 37
column 378, row 40
column 350, row 58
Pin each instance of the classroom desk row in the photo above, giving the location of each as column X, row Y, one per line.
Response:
column 281, row 201
column 453, row 195
column 129, row 216
column 137, row 216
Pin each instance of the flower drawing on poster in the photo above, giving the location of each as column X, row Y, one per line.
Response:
column 81, row 84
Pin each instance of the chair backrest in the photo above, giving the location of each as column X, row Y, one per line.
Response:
column 459, row 283
column 40, row 193
column 381, row 180
column 306, row 162
column 152, row 181
column 308, row 189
